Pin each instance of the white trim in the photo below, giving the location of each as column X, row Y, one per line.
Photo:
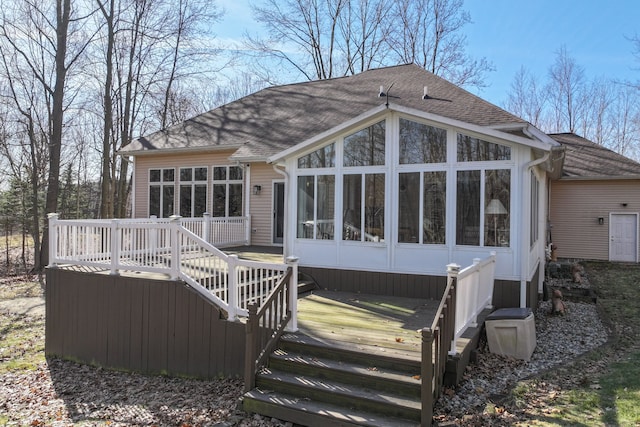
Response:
column 273, row 211
column 544, row 144
column 133, row 189
column 164, row 151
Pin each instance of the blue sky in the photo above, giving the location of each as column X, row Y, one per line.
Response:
column 512, row 33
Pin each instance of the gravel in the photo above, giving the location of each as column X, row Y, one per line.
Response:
column 64, row 393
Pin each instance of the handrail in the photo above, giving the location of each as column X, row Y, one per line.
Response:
column 265, row 326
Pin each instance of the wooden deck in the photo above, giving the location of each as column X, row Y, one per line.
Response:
column 369, row 323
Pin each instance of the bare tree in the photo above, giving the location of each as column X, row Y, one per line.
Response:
column 527, row 98
column 566, row 91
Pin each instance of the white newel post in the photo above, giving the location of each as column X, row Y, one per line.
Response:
column 53, row 238
column 115, row 247
column 153, row 236
column 292, row 261
column 176, row 248
column 452, row 274
column 477, row 283
column 206, row 226
column 232, row 298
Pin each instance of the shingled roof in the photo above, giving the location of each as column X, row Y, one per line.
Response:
column 588, row 160
column 274, row 119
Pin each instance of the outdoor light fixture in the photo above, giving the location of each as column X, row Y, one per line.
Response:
column 600, row 220
column 257, row 189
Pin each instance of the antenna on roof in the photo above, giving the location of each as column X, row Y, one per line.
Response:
column 385, row 93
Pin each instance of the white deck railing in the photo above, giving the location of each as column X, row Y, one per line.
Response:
column 175, row 247
column 474, row 292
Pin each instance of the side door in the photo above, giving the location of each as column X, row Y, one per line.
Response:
column 623, row 237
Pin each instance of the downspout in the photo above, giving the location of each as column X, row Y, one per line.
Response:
column 285, row 239
column 523, row 245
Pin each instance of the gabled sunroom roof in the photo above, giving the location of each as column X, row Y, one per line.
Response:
column 275, row 119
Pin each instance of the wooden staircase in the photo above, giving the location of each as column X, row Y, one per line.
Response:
column 311, row 383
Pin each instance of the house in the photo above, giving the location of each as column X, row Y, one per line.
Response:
column 595, row 204
column 370, row 180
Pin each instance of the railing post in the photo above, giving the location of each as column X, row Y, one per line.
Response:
column 452, row 274
column 232, row 297
column 53, row 238
column 153, row 236
column 426, row 376
column 292, row 262
column 476, row 292
column 115, row 247
column 206, row 226
column 176, row 247
column 247, row 230
column 251, row 349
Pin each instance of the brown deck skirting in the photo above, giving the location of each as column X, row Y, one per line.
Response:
column 139, row 324
column 506, row 293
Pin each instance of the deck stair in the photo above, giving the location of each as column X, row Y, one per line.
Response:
column 309, row 382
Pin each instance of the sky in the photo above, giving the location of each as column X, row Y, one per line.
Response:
column 515, row 33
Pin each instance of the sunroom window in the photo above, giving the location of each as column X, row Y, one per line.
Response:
column 422, row 207
column 193, row 191
column 494, row 218
column 324, row 157
column 472, row 149
column 316, row 201
column 161, row 192
column 420, row 143
column 227, row 191
column 363, row 207
column 365, row 147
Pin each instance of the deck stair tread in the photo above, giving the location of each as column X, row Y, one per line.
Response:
column 327, row 367
column 307, row 412
column 337, row 390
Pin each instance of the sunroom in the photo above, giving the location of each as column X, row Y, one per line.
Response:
column 400, row 193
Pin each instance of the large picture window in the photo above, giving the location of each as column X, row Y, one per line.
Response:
column 227, row 191
column 324, row 157
column 363, row 207
column 193, row 191
column 316, row 201
column 161, row 192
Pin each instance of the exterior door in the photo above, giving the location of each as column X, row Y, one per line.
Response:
column 278, row 212
column 623, row 239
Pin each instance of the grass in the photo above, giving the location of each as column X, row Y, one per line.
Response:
column 603, row 388
column 21, row 336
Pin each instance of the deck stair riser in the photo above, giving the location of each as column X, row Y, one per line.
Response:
column 314, row 384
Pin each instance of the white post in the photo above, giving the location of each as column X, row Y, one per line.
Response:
column 476, row 291
column 115, row 247
column 176, row 247
column 292, row 261
column 452, row 273
column 206, row 226
column 247, row 230
column 232, row 296
column 53, row 238
column 153, row 236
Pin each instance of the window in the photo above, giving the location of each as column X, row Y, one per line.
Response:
column 227, row 191
column 493, row 218
column 316, row 215
column 420, row 143
column 161, row 192
column 535, row 200
column 497, row 196
column 325, row 157
column 427, row 202
column 472, row 149
column 363, row 206
column 365, row 147
column 193, row 191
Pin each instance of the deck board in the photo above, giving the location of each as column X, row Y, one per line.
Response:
column 385, row 322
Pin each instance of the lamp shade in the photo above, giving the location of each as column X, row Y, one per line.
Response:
column 495, row 207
